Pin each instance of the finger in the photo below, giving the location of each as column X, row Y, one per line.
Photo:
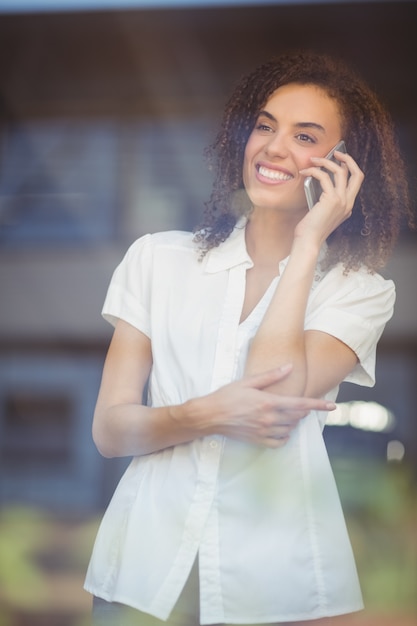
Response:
column 356, row 176
column 330, row 173
column 333, row 163
column 295, row 403
column 290, row 418
column 265, row 379
column 343, row 162
column 282, row 433
column 328, row 178
column 274, row 443
column 355, row 180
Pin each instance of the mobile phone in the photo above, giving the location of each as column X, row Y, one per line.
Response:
column 312, row 186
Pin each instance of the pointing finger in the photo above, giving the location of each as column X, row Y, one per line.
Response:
column 265, row 379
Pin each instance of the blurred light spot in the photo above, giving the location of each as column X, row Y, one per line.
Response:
column 395, row 450
column 363, row 415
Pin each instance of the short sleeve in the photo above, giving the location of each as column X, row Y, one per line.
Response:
column 354, row 308
column 128, row 295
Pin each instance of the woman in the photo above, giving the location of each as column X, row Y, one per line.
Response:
column 228, row 513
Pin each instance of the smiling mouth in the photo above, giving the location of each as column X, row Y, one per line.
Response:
column 273, row 174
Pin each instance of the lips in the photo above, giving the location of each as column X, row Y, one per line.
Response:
column 272, row 174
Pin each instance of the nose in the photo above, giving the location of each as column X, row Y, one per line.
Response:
column 277, row 146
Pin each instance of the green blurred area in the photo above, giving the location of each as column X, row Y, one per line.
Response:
column 380, row 503
column 43, row 557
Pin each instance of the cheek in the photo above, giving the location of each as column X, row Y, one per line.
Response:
column 302, row 160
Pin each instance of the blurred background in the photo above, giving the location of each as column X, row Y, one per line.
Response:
column 105, row 111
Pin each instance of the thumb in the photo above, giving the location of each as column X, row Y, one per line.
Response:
column 265, row 379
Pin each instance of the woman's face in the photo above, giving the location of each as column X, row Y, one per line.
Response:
column 296, row 123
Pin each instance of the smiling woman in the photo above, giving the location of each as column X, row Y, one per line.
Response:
column 242, row 333
column 297, row 123
column 382, row 203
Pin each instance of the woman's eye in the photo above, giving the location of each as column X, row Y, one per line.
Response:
column 263, row 127
column 305, row 138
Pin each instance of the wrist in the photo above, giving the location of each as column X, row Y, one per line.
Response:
column 305, row 250
column 191, row 416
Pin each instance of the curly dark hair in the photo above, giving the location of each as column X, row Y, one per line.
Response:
column 382, row 204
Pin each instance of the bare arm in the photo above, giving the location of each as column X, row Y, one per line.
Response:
column 123, row 426
column 320, row 361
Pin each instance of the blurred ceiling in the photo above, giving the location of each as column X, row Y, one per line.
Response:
column 14, row 6
column 184, row 61
column 115, row 61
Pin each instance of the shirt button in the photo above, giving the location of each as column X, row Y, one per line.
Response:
column 213, row 444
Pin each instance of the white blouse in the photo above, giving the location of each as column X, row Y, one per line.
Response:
column 267, row 524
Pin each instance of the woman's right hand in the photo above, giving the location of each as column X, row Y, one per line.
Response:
column 337, row 198
column 243, row 410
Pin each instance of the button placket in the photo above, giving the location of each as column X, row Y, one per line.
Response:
column 223, row 373
column 224, row 361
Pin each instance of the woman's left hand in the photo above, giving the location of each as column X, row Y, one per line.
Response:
column 337, row 198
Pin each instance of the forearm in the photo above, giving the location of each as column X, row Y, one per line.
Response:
column 242, row 410
column 135, row 429
column 280, row 338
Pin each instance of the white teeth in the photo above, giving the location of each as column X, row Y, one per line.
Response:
column 273, row 174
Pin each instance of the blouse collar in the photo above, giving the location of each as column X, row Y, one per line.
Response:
column 233, row 252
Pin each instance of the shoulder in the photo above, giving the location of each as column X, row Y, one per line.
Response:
column 147, row 248
column 362, row 278
column 173, row 239
column 360, row 287
column 354, row 307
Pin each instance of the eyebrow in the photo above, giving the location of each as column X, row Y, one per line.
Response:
column 314, row 125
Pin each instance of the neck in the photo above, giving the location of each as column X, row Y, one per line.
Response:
column 269, row 236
